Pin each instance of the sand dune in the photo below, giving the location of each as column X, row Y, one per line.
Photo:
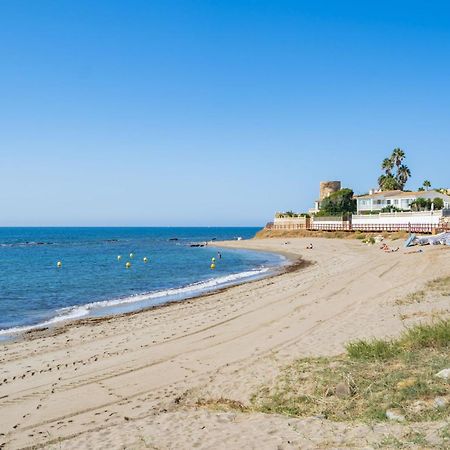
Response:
column 133, row 381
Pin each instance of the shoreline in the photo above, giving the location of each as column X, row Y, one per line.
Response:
column 292, row 263
column 146, row 379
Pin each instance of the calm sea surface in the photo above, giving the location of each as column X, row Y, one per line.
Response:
column 93, row 282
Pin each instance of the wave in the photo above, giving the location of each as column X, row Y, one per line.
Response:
column 158, row 297
column 76, row 313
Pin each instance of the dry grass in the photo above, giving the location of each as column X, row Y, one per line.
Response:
column 438, row 286
column 222, row 404
column 267, row 233
column 414, row 297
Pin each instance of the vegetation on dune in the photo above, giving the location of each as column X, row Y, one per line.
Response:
column 270, row 233
column 373, row 377
column 434, row 288
column 436, row 335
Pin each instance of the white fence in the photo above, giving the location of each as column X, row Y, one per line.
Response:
column 414, row 221
column 420, row 222
column 323, row 223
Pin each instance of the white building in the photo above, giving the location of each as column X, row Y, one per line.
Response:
column 399, row 199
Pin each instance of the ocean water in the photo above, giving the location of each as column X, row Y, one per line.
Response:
column 93, row 282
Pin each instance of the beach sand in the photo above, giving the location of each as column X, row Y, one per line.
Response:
column 134, row 381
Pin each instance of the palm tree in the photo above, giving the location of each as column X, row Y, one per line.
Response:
column 403, row 173
column 426, row 184
column 387, row 165
column 398, row 155
column 388, row 183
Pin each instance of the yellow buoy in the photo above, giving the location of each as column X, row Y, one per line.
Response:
column 59, row 264
column 119, row 257
column 127, row 265
column 145, row 259
column 213, row 266
column 131, row 255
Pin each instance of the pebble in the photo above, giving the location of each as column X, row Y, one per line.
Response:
column 342, row 390
column 440, row 402
column 394, row 415
column 444, row 373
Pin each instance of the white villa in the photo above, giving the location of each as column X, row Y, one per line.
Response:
column 376, row 201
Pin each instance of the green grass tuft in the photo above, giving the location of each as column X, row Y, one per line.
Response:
column 373, row 349
column 435, row 335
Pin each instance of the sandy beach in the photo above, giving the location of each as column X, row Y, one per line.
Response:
column 140, row 380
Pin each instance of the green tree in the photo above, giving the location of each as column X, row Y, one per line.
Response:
column 388, row 183
column 396, row 174
column 426, row 184
column 438, row 203
column 338, row 203
column 403, row 173
column 387, row 165
column 397, row 157
column 419, row 204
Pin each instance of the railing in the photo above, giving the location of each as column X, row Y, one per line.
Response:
column 415, row 228
column 344, row 226
column 290, row 226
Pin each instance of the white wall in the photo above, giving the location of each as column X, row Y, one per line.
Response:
column 413, row 218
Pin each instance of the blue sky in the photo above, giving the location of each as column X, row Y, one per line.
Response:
column 213, row 112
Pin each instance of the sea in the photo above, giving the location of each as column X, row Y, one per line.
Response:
column 92, row 280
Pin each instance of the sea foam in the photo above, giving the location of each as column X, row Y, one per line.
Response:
column 150, row 299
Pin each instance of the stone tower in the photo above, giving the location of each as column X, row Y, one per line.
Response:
column 327, row 188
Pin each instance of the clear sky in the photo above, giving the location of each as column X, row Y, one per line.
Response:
column 213, row 112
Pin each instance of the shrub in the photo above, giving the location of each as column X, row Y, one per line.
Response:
column 372, row 349
column 435, row 335
column 423, row 336
column 438, row 203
